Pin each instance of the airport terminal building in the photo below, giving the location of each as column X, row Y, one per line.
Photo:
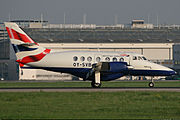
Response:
column 159, row 44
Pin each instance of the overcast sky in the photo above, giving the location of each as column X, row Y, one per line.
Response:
column 99, row 12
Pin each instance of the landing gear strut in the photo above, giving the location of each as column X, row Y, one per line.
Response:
column 151, row 84
column 97, row 82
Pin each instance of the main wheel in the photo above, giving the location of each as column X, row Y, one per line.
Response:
column 151, row 84
column 95, row 85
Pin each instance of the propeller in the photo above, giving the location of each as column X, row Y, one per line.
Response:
column 95, row 68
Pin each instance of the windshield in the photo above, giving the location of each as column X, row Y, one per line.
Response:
column 139, row 58
column 144, row 58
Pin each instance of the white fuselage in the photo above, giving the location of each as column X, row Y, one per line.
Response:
column 85, row 59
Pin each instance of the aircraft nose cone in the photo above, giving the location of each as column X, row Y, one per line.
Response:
column 173, row 72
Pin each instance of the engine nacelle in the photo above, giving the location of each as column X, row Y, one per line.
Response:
column 114, row 67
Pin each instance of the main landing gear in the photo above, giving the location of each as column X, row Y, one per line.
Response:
column 95, row 85
column 151, row 84
column 97, row 82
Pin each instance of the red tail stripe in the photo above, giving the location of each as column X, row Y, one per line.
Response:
column 21, row 65
column 33, row 58
column 19, row 36
column 9, row 32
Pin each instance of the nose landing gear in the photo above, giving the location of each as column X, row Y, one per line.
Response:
column 151, row 84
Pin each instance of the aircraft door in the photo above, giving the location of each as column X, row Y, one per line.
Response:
column 130, row 60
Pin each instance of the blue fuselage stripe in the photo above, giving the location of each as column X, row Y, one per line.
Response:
column 82, row 72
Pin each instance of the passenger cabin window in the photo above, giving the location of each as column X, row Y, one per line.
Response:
column 121, row 59
column 89, row 59
column 98, row 59
column 114, row 59
column 82, row 58
column 107, row 59
column 75, row 58
column 134, row 58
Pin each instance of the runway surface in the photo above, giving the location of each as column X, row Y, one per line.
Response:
column 83, row 89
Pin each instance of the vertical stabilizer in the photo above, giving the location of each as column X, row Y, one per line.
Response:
column 26, row 49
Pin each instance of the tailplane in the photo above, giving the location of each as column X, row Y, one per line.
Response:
column 26, row 49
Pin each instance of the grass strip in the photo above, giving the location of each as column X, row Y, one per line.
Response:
column 87, row 105
column 88, row 84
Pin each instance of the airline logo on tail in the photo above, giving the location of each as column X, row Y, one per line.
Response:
column 26, row 49
column 16, row 35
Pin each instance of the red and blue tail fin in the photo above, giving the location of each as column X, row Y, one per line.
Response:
column 27, row 51
column 16, row 35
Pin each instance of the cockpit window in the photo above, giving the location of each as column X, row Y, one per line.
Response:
column 139, row 58
column 144, row 58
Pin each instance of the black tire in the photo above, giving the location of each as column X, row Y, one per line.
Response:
column 95, row 85
column 151, row 84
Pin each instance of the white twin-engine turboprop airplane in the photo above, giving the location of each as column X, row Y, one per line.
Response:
column 94, row 66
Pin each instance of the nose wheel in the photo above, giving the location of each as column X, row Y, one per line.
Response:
column 151, row 84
